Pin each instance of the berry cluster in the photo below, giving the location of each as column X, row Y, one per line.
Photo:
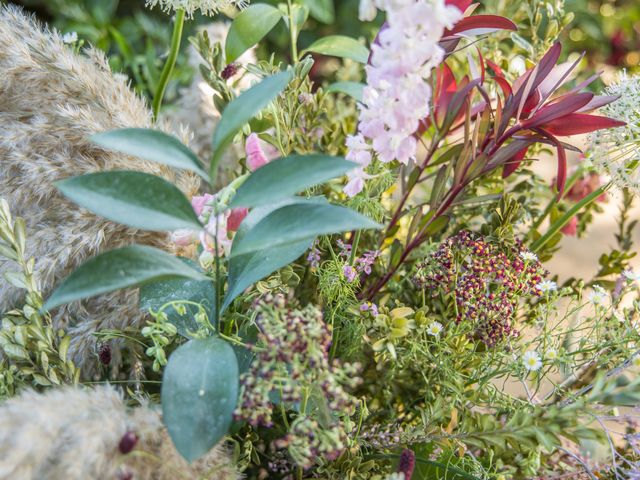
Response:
column 485, row 280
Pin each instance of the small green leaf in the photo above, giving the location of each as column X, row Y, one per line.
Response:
column 121, row 268
column 136, row 199
column 244, row 108
column 287, row 176
column 340, row 46
column 299, row 221
column 321, row 10
column 155, row 295
column 199, row 395
column 353, row 89
column 245, row 270
column 248, row 28
column 151, row 145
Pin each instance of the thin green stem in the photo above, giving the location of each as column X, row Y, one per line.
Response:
column 354, row 247
column 564, row 219
column 293, row 32
column 167, row 70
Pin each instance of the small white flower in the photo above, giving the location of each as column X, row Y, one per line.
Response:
column 598, row 295
column 70, row 38
column 631, row 275
column 619, row 315
column 434, row 328
column 517, row 65
column 395, row 476
column 528, row 256
column 547, row 286
column 531, row 360
column 636, row 361
column 551, row 354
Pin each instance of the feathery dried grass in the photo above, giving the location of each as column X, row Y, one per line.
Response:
column 51, row 101
column 75, row 434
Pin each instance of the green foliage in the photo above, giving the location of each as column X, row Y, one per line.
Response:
column 136, row 199
column 249, row 27
column 340, row 46
column 199, row 395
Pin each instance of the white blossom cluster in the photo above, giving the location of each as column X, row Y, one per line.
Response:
column 206, row 7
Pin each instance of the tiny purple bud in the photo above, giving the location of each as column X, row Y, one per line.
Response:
column 230, row 70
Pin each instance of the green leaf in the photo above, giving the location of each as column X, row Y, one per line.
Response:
column 242, row 109
column 155, row 295
column 287, row 176
column 322, row 10
column 121, row 268
column 340, row 46
column 137, row 199
column 249, row 27
column 353, row 89
column 245, row 270
column 299, row 221
column 199, row 395
column 151, row 145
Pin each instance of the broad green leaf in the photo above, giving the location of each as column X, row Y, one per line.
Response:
column 199, row 395
column 136, row 199
column 249, row 27
column 300, row 221
column 244, row 108
column 245, row 270
column 340, row 46
column 287, row 176
column 321, row 10
column 121, row 268
column 353, row 89
column 155, row 295
column 151, row 145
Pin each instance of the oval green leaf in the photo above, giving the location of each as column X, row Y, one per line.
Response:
column 299, row 221
column 157, row 294
column 340, row 46
column 287, row 176
column 353, row 89
column 245, row 270
column 199, row 395
column 321, row 10
column 151, row 145
column 242, row 109
column 135, row 199
column 121, row 268
column 248, row 28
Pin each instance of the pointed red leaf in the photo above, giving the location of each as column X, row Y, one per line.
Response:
column 497, row 71
column 504, row 86
column 556, row 110
column 481, row 24
column 597, row 102
column 461, row 4
column 512, row 165
column 561, row 178
column 577, row 123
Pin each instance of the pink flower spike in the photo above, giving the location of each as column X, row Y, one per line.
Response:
column 235, row 218
column 259, row 153
column 200, row 202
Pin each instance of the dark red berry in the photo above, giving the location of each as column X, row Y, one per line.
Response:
column 229, row 71
column 128, row 442
column 104, row 354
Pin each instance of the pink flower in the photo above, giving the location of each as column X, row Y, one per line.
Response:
column 220, row 232
column 235, row 218
column 571, row 228
column 259, row 153
column 199, row 203
column 349, row 273
column 184, row 237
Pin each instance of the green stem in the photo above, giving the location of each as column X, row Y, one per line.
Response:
column 570, row 183
column 293, row 32
column 354, row 247
column 564, row 219
column 167, row 70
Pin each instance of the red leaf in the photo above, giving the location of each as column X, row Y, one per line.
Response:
column 461, row 4
column 561, row 178
column 556, row 110
column 512, row 165
column 480, row 24
column 597, row 102
column 496, row 69
column 504, row 85
column 577, row 123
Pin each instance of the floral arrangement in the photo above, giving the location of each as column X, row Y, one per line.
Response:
column 276, row 273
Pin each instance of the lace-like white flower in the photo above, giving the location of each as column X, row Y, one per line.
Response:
column 546, row 286
column 551, row 354
column 531, row 360
column 616, row 151
column 206, row 7
column 528, row 256
column 631, row 275
column 434, row 328
column 598, row 295
column 397, row 94
column 70, row 38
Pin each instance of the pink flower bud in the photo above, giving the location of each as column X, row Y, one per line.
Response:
column 200, row 202
column 571, row 228
column 235, row 218
column 258, row 153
